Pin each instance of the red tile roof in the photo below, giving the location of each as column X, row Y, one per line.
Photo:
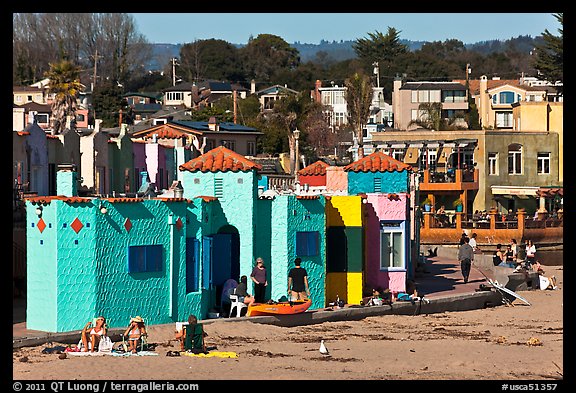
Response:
column 318, row 168
column 377, row 162
column 166, row 131
column 308, row 197
column 220, row 159
column 48, row 199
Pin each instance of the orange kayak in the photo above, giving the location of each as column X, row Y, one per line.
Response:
column 280, row 308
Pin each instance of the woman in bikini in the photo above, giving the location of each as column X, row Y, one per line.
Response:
column 134, row 332
column 95, row 334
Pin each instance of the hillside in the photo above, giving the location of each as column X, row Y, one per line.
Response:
column 342, row 50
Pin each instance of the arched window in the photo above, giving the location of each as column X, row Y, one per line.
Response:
column 514, row 159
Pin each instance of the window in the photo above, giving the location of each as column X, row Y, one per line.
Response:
column 423, row 96
column 515, row 159
column 543, row 163
column 432, row 158
column 391, row 246
column 504, row 119
column 80, row 117
column 307, row 243
column 377, row 184
column 229, row 144
column 397, row 154
column 192, row 264
column 453, row 96
column 434, row 95
column 219, row 187
column 42, row 118
column 493, row 163
column 339, row 118
column 507, row 97
column 175, row 96
column 339, row 98
column 159, row 121
column 251, row 148
column 142, row 259
column 210, row 143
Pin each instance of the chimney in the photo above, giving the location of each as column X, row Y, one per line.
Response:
column 212, row 125
column 316, row 92
column 396, row 104
column 120, row 117
column 66, row 180
column 252, row 86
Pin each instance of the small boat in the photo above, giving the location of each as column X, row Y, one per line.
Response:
column 279, row 308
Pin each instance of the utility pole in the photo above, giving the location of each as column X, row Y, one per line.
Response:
column 173, row 71
column 96, row 56
column 235, row 105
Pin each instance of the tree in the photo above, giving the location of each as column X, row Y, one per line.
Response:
column 430, row 116
column 210, row 59
column 549, row 55
column 359, row 91
column 265, row 55
column 380, row 47
column 65, row 85
column 107, row 102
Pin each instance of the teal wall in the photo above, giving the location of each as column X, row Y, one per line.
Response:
column 391, row 182
column 235, row 206
column 263, row 240
column 291, row 215
column 75, row 282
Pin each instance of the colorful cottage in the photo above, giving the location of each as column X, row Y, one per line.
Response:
column 166, row 257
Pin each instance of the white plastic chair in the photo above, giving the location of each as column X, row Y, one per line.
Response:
column 234, row 302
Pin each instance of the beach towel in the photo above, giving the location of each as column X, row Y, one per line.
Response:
column 214, row 354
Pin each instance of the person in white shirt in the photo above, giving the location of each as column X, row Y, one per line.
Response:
column 530, row 253
column 473, row 243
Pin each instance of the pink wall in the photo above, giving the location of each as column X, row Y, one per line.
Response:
column 382, row 207
column 336, row 179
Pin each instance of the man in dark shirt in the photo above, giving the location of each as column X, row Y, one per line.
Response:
column 298, row 282
column 466, row 256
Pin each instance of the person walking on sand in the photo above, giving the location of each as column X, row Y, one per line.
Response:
column 466, row 257
column 298, row 282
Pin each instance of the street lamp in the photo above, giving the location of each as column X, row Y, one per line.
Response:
column 296, row 133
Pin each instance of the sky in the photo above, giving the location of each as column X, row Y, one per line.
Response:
column 310, row 28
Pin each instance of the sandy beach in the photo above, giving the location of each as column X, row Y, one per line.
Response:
column 517, row 342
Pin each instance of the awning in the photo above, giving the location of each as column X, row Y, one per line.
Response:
column 550, row 192
column 443, row 155
column 514, row 190
column 411, row 156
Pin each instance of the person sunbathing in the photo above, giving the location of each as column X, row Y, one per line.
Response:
column 95, row 334
column 134, row 332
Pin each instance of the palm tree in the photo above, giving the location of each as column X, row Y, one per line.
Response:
column 359, row 99
column 65, row 85
column 430, row 116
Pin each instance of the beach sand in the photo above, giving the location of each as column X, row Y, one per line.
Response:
column 516, row 342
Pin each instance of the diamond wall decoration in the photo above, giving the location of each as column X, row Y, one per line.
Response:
column 179, row 223
column 77, row 225
column 127, row 224
column 41, row 225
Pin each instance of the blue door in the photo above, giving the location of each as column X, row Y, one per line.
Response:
column 206, row 262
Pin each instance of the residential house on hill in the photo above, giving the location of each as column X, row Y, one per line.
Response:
column 270, row 95
column 407, row 97
column 494, row 98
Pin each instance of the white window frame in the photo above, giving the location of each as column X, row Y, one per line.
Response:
column 544, row 160
column 515, row 156
column 393, row 233
column 493, row 164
